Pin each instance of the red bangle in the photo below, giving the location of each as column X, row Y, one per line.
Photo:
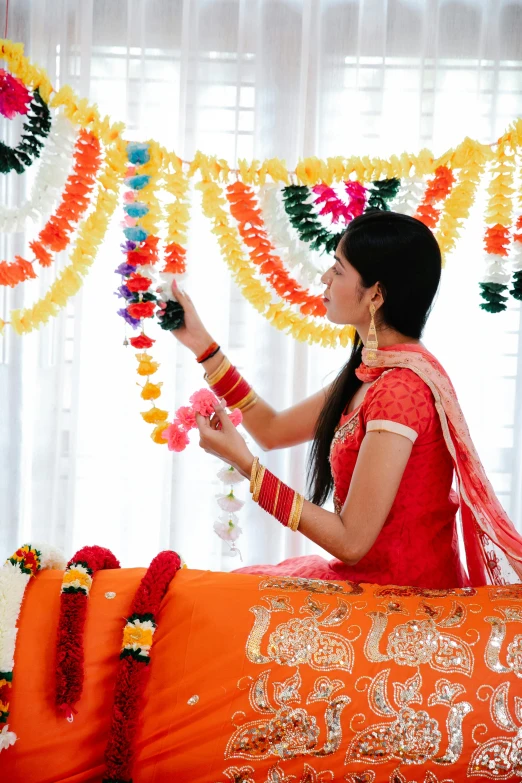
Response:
column 230, row 378
column 267, row 491
column 284, row 504
column 238, row 393
column 206, row 354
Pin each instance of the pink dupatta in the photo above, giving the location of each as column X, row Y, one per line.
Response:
column 486, row 527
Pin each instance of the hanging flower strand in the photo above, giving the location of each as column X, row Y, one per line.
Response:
column 244, row 209
column 282, row 318
column 497, row 238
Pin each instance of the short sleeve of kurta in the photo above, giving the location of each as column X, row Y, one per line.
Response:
column 399, row 402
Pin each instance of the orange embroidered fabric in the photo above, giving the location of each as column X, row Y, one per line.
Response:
column 257, row 679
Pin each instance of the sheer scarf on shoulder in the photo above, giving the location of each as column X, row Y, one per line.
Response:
column 491, row 541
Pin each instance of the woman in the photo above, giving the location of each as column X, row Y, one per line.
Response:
column 387, row 434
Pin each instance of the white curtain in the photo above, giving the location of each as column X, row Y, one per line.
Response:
column 241, row 78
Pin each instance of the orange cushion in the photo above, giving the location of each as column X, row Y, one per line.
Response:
column 292, row 677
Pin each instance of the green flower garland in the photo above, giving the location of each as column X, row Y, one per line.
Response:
column 516, row 291
column 35, row 130
column 381, row 192
column 301, row 214
column 302, row 217
column 492, row 294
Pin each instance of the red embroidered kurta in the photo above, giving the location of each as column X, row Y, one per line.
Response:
column 418, row 542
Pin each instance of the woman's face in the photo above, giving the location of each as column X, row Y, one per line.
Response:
column 346, row 301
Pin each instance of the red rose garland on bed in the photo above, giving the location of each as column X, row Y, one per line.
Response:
column 135, row 657
column 76, row 586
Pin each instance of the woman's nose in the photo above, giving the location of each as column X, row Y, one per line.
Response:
column 325, row 277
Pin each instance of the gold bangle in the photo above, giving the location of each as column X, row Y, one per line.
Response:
column 257, row 483
column 219, row 372
column 276, row 497
column 245, row 402
column 295, row 517
column 253, row 473
column 249, row 405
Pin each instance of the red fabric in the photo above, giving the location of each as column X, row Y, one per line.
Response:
column 418, row 543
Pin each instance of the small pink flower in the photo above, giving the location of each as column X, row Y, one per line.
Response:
column 129, row 196
column 131, row 171
column 185, row 417
column 176, row 436
column 203, row 402
column 236, row 417
column 130, row 221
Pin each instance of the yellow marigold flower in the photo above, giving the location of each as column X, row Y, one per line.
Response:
column 155, row 416
column 151, row 391
column 157, row 433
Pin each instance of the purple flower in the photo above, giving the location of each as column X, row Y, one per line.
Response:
column 134, row 322
column 123, row 292
column 125, row 269
column 127, row 246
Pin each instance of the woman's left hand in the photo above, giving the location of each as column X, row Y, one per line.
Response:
column 225, row 443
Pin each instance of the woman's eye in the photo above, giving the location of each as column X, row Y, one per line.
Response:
column 335, row 271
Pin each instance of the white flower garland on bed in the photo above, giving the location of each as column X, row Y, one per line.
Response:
column 15, row 575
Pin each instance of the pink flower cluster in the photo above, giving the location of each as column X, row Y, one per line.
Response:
column 202, row 402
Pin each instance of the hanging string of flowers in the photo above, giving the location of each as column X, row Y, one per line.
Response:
column 135, row 656
column 88, row 240
column 244, row 209
column 497, row 238
column 335, row 207
column 92, row 230
column 409, row 195
column 76, row 586
column 437, row 190
column 470, row 159
column 35, row 131
column 381, row 192
column 295, row 254
column 55, row 162
column 301, row 214
column 75, row 200
column 14, row 96
column 283, row 318
column 516, row 256
column 15, row 575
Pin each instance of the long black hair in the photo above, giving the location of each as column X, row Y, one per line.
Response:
column 401, row 254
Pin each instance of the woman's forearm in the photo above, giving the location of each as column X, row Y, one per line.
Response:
column 257, row 420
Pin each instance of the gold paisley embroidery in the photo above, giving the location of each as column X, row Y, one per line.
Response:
column 499, row 758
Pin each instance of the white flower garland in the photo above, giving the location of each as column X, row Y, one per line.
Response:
column 409, row 195
column 13, row 583
column 293, row 252
column 226, row 527
column 55, row 164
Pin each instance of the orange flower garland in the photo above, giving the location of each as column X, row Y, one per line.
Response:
column 56, row 234
column 437, row 190
column 262, row 252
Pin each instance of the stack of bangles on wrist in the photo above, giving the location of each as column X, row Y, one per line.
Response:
column 275, row 497
column 226, row 382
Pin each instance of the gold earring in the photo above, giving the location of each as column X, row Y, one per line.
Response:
column 372, row 344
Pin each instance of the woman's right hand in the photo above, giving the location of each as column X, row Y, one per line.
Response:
column 192, row 334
